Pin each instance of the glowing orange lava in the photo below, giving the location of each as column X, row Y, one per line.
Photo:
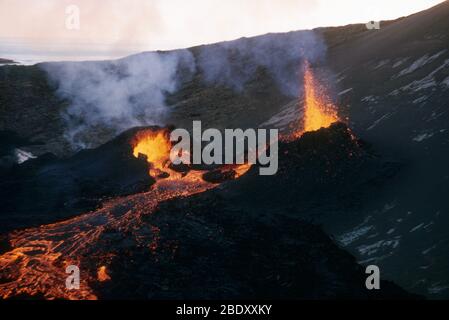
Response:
column 36, row 263
column 102, row 274
column 238, row 169
column 156, row 147
column 319, row 112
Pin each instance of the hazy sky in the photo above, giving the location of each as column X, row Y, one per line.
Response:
column 135, row 25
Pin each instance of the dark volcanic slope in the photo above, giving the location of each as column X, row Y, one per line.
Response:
column 398, row 76
column 393, row 84
column 6, row 61
column 29, row 107
column 229, row 242
column 208, row 248
column 46, row 189
column 248, row 238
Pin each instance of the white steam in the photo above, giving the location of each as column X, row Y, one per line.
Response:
column 116, row 95
column 111, row 96
column 234, row 63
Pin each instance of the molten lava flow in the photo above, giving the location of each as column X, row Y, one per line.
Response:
column 156, row 147
column 36, row 263
column 102, row 274
column 319, row 112
column 237, row 169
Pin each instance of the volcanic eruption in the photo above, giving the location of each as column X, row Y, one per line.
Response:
column 156, row 147
column 36, row 261
column 318, row 111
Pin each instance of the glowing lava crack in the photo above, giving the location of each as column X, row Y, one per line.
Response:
column 36, row 263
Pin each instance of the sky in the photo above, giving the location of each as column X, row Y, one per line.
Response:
column 127, row 26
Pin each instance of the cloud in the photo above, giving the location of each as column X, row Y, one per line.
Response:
column 120, row 94
column 140, row 25
column 111, row 24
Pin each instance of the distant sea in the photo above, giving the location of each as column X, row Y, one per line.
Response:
column 37, row 57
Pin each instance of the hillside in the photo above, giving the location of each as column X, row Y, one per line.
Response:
column 392, row 86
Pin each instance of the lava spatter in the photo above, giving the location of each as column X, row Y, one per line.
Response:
column 318, row 110
column 36, row 262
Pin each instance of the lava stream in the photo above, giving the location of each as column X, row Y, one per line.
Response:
column 37, row 261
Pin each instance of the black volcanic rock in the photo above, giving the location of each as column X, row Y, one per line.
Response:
column 208, row 248
column 9, row 141
column 6, row 61
column 219, row 176
column 245, row 239
column 47, row 188
column 326, row 168
column 394, row 99
column 227, row 243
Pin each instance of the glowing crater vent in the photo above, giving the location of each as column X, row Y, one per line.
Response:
column 319, row 111
column 156, row 147
column 102, row 274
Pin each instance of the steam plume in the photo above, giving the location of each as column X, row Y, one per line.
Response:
column 234, row 63
column 116, row 95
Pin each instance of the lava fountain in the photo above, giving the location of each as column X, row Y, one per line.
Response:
column 36, row 262
column 318, row 111
column 155, row 146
